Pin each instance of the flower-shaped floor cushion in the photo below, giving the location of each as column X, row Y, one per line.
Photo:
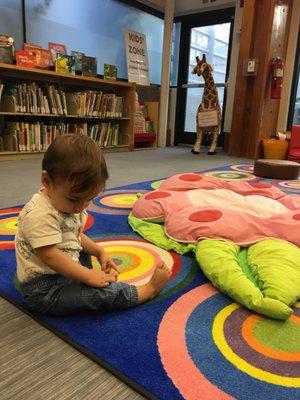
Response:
column 218, row 219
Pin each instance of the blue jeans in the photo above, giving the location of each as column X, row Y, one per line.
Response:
column 57, row 295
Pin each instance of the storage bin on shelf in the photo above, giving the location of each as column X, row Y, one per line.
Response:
column 275, row 149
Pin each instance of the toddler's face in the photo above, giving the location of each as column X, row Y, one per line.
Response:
column 63, row 199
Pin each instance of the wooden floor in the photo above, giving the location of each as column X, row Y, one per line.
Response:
column 37, row 365
column 34, row 363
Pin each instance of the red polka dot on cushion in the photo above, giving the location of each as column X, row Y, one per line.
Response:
column 205, row 216
column 296, row 217
column 190, row 177
column 159, row 194
column 261, row 185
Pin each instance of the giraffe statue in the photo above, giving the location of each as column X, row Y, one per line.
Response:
column 209, row 102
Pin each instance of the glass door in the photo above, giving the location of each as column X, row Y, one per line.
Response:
column 213, row 40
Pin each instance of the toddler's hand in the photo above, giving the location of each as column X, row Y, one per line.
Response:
column 100, row 278
column 107, row 265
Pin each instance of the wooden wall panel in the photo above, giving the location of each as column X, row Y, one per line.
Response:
column 254, row 113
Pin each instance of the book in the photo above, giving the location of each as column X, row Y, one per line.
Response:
column 25, row 58
column 31, row 46
column 54, row 49
column 89, row 66
column 78, row 60
column 110, row 72
column 65, row 64
column 42, row 56
column 7, row 49
column 1, row 90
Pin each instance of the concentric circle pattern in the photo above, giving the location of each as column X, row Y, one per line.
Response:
column 243, row 168
column 8, row 227
column 221, row 347
column 231, row 175
column 289, row 186
column 137, row 259
column 115, row 202
column 156, row 184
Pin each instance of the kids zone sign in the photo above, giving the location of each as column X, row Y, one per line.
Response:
column 137, row 57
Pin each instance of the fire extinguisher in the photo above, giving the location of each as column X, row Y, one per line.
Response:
column 277, row 77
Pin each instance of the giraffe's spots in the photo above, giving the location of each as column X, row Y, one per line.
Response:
column 296, row 217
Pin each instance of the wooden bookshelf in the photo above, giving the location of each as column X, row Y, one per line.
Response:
column 149, row 95
column 11, row 75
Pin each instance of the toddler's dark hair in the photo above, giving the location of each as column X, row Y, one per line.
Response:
column 77, row 159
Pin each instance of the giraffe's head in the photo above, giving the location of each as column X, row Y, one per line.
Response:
column 202, row 67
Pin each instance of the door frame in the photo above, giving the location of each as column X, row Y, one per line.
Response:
column 187, row 23
column 295, row 83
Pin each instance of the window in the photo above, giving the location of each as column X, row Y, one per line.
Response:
column 95, row 28
column 11, row 20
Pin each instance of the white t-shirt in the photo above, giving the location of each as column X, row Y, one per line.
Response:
column 40, row 224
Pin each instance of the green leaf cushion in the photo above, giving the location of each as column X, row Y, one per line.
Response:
column 155, row 234
column 265, row 277
column 220, row 263
column 278, row 265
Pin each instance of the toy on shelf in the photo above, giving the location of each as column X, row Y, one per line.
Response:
column 208, row 118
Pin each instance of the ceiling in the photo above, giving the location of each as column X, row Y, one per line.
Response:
column 185, row 7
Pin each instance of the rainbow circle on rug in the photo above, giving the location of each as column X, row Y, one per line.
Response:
column 243, row 168
column 89, row 222
column 219, row 344
column 156, row 184
column 290, row 186
column 137, row 258
column 231, row 175
column 115, row 202
column 8, row 227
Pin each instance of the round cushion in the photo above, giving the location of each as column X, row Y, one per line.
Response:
column 276, row 169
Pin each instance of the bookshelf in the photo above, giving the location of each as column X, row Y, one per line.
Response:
column 73, row 103
column 149, row 96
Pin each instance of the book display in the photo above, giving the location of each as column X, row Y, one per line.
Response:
column 65, row 64
column 37, row 105
column 110, row 72
column 78, row 60
column 89, row 66
column 54, row 49
column 146, row 117
column 7, row 49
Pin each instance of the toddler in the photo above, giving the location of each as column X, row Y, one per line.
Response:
column 53, row 254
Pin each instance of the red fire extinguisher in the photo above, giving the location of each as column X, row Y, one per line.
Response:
column 277, row 77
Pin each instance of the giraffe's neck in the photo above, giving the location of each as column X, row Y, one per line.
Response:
column 210, row 94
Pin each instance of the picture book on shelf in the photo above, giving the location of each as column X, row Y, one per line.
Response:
column 89, row 66
column 25, row 58
column 65, row 64
column 78, row 60
column 42, row 56
column 110, row 72
column 7, row 49
column 31, row 47
column 56, row 48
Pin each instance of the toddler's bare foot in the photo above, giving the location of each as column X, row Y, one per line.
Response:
column 155, row 285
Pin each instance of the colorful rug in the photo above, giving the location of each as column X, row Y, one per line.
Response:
column 191, row 342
